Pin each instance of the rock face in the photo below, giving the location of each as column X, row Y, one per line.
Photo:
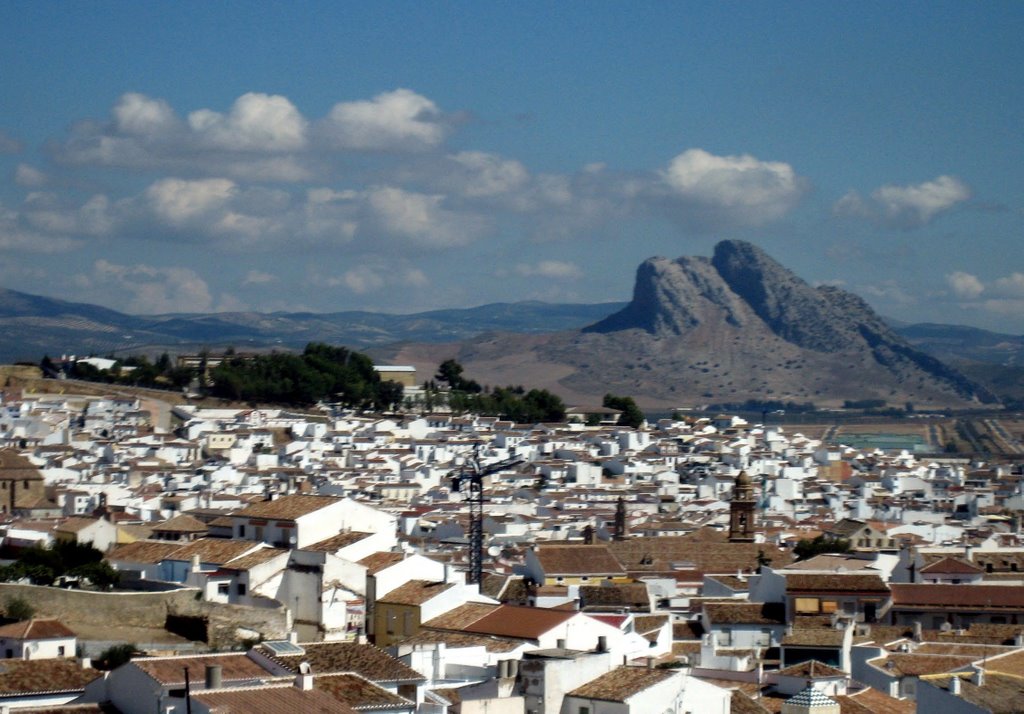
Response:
column 734, row 327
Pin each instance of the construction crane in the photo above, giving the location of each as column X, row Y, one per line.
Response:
column 472, row 473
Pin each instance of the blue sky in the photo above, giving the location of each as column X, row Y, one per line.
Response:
column 161, row 157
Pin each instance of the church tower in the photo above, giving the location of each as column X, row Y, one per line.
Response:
column 742, row 510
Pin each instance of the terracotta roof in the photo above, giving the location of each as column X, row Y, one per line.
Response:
column 14, row 466
column 745, row 613
column 170, row 671
column 915, row 665
column 455, row 640
column 271, row 700
column 523, row 622
column 461, row 617
column 621, row 683
column 287, row 508
column 957, row 596
column 953, row 566
column 251, row 560
column 628, row 595
column 43, row 675
column 74, row 525
column 577, row 560
column 812, row 669
column 182, row 523
column 336, row 542
column 144, row 551
column 872, row 701
column 367, row 661
column 376, row 562
column 217, row 551
column 706, row 552
column 36, row 629
column 359, row 693
column 415, row 592
column 1001, row 693
column 835, row 582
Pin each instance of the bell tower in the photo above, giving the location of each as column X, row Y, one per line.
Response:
column 742, row 510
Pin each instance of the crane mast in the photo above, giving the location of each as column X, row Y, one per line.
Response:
column 472, row 475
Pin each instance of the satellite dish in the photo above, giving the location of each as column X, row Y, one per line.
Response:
column 494, row 550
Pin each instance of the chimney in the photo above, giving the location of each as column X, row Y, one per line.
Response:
column 918, row 634
column 195, row 564
column 650, row 663
column 304, row 679
column 503, row 669
column 213, row 676
column 978, row 678
column 560, row 644
column 954, row 686
column 293, row 637
column 602, row 643
column 86, row 663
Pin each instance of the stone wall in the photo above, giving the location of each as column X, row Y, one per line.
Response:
column 150, row 610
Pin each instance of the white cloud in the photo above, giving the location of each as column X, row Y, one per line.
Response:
column 738, row 189
column 28, row 176
column 1010, row 286
column 259, row 122
column 138, row 115
column 553, row 269
column 396, row 120
column 151, row 290
column 422, row 218
column 362, row 280
column 180, row 201
column 484, row 174
column 965, row 285
column 905, row 207
column 46, row 212
column 16, row 236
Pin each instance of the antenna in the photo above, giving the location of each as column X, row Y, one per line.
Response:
column 472, row 475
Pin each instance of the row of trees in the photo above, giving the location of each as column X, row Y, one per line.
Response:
column 512, row 402
column 42, row 566
column 135, row 371
column 321, row 373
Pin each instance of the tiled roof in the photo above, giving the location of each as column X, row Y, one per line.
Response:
column 14, row 466
column 952, row 566
column 523, row 622
column 811, row 697
column 181, row 523
column 835, row 582
column 1001, row 693
column 455, row 640
column 707, row 554
column 621, row 683
column 461, row 617
column 170, row 671
column 336, row 542
column 43, row 675
column 630, row 595
column 811, row 669
column 376, row 562
column 251, row 560
column 287, row 508
column 271, row 700
column 576, row 560
column 36, row 629
column 365, row 660
column 144, row 551
column 359, row 693
column 213, row 550
column 745, row 613
column 415, row 592
column 915, row 665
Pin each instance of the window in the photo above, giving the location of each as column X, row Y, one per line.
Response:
column 223, row 588
column 584, row 710
column 241, row 531
column 60, row 651
column 805, row 605
column 829, row 606
column 241, row 588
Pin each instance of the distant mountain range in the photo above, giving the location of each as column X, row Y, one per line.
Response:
column 731, row 327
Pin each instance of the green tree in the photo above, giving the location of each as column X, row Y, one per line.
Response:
column 631, row 415
column 450, row 372
column 114, row 656
column 18, row 609
column 808, row 548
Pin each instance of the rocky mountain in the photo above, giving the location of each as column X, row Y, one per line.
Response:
column 729, row 328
